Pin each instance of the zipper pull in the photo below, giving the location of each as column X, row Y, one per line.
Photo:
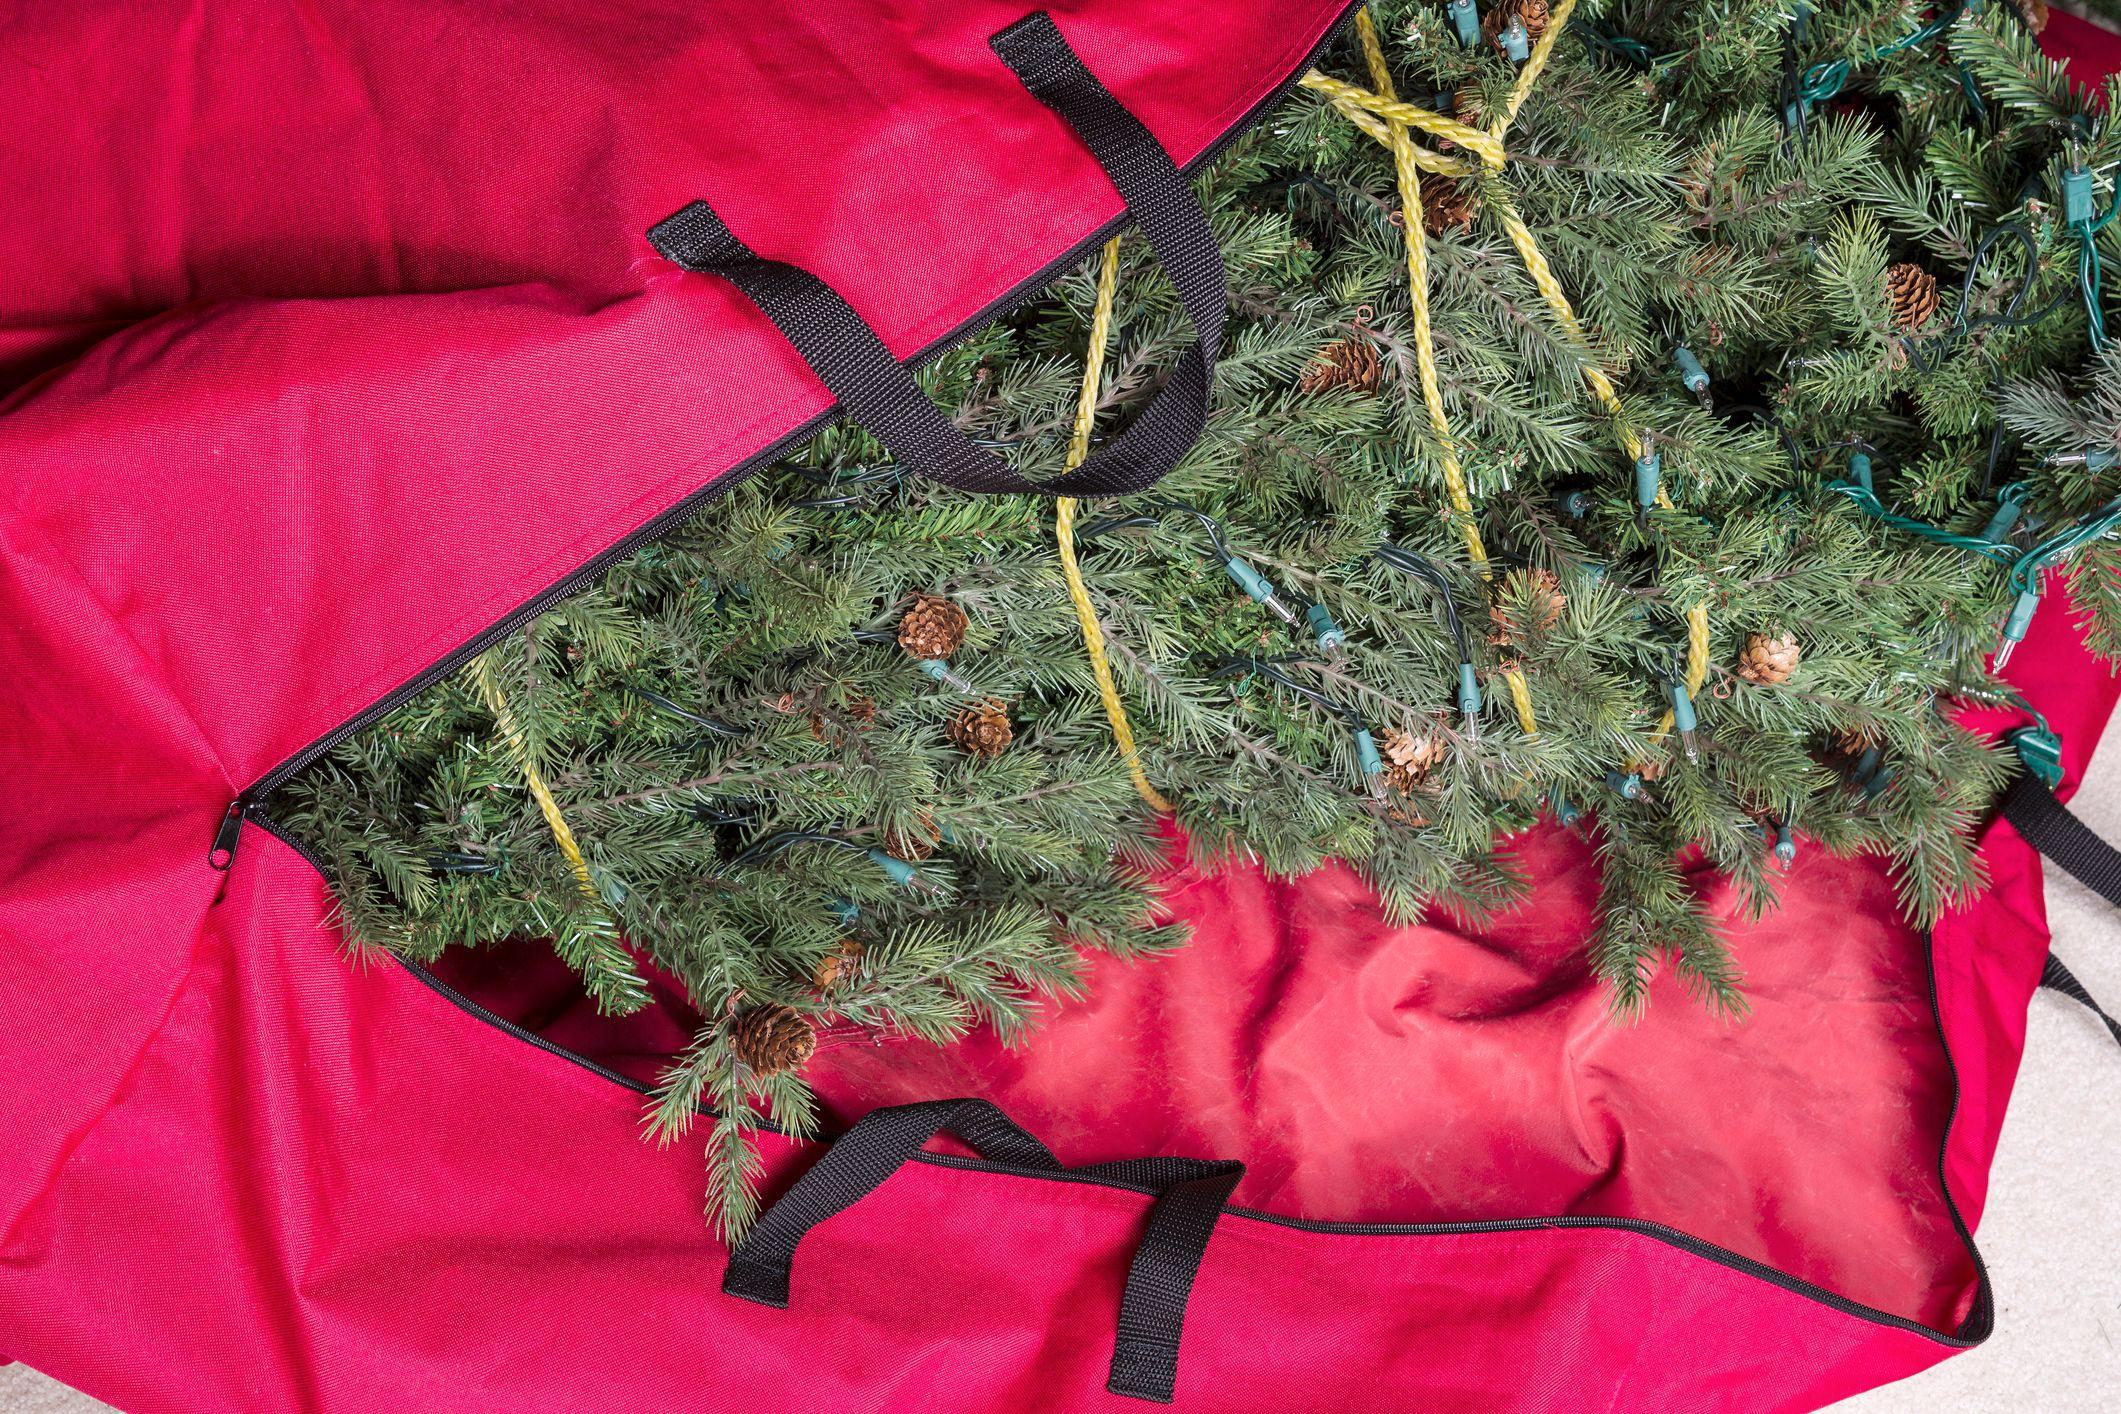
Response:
column 224, row 851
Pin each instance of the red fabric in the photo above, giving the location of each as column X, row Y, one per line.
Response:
column 336, row 340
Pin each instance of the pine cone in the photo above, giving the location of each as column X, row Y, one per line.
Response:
column 837, row 965
column 1913, row 293
column 1447, row 204
column 915, row 844
column 1533, row 13
column 1467, row 108
column 1406, row 815
column 981, row 729
column 857, row 713
column 1351, row 363
column 772, row 1039
column 1854, row 741
column 1543, row 592
column 932, row 627
column 2034, row 13
column 1409, row 758
column 1769, row 658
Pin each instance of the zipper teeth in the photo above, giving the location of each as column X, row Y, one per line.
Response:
column 662, row 525
column 1981, row 1317
column 575, row 583
column 1662, row 1232
column 669, row 520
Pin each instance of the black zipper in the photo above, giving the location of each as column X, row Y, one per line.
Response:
column 1672, row 1236
column 251, row 806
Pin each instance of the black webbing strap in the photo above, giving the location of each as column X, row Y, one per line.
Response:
column 875, row 390
column 2057, row 978
column 1152, row 1309
column 2046, row 825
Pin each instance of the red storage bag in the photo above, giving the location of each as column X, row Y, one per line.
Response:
column 337, row 349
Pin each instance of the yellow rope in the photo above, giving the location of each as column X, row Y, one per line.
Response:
column 481, row 674
column 1454, row 479
column 1535, row 262
column 1064, row 535
column 1697, row 663
column 1534, row 65
column 1365, row 109
column 1475, row 140
column 1423, row 158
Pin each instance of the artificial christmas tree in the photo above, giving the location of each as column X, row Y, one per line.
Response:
column 1745, row 244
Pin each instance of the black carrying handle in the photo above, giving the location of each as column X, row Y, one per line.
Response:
column 879, row 393
column 2047, row 825
column 1190, row 1194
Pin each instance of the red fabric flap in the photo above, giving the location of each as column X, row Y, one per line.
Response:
column 292, row 504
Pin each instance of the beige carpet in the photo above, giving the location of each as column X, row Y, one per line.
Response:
column 2052, row 1234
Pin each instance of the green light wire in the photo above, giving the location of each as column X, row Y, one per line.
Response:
column 2088, row 273
column 1823, row 80
column 1867, row 501
column 1858, row 489
column 2026, row 571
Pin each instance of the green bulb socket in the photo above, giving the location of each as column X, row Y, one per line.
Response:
column 2077, row 205
column 2009, row 506
column 1691, row 373
column 1468, row 691
column 1466, row 20
column 1860, row 470
column 2101, row 459
column 1565, row 811
column 1647, row 467
column 2041, row 751
column 1573, row 504
column 2021, row 617
column 1516, row 41
column 843, row 909
column 1366, row 754
column 1627, row 786
column 1785, row 843
column 1248, row 579
column 1327, row 634
column 1867, row 764
column 939, row 670
column 1258, row 588
column 897, row 870
column 1683, row 710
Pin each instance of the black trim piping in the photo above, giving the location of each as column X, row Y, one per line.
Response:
column 253, row 803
